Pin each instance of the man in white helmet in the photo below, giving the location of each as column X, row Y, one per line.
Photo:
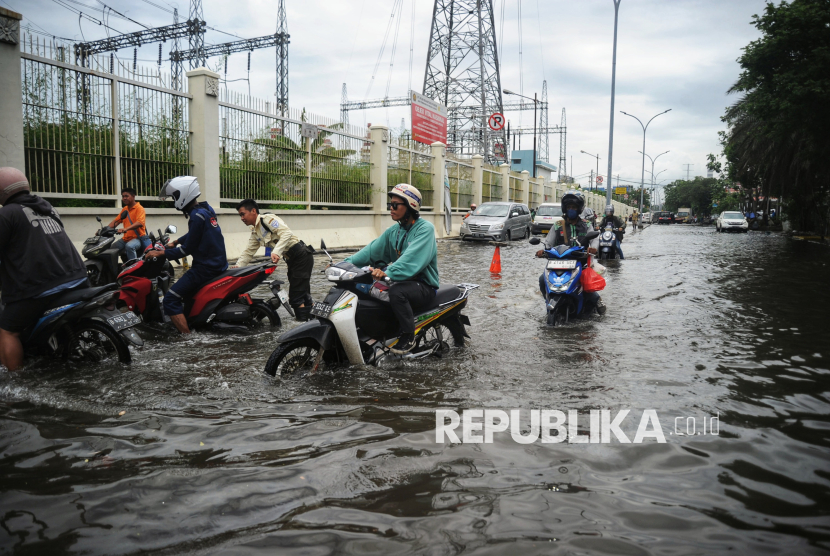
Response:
column 203, row 241
column 411, row 254
column 37, row 262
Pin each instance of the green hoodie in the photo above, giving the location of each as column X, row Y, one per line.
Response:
column 411, row 254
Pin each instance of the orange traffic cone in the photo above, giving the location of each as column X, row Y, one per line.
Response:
column 495, row 265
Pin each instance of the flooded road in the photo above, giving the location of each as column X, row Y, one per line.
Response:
column 212, row 456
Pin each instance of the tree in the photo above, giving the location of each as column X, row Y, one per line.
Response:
column 777, row 142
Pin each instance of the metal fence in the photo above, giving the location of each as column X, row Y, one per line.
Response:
column 264, row 157
column 91, row 131
column 410, row 162
column 461, row 184
column 491, row 188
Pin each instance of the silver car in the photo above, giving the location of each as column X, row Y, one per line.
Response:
column 497, row 221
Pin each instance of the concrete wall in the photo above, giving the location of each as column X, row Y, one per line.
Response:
column 339, row 228
column 11, row 101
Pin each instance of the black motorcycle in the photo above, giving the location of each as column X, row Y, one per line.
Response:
column 83, row 325
column 102, row 260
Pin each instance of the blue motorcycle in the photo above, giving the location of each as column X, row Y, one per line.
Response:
column 561, row 284
column 84, row 326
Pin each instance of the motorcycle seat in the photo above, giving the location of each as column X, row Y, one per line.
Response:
column 445, row 294
column 236, row 272
column 82, row 294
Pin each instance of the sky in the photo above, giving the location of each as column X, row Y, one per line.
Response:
column 671, row 54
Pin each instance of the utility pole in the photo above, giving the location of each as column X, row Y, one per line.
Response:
column 613, row 86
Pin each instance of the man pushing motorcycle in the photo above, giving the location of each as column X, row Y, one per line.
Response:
column 573, row 227
column 411, row 253
column 203, row 241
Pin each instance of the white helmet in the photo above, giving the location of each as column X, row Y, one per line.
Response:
column 409, row 194
column 183, row 190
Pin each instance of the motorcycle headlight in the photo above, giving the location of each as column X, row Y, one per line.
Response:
column 333, row 273
column 497, row 226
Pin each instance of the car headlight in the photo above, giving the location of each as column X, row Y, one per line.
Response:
column 497, row 226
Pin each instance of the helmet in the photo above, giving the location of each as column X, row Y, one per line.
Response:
column 12, row 182
column 473, row 206
column 609, row 209
column 183, row 190
column 587, row 214
column 409, row 194
column 573, row 196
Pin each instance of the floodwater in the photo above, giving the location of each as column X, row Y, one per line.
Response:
column 211, row 456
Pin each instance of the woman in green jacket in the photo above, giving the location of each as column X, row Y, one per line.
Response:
column 410, row 255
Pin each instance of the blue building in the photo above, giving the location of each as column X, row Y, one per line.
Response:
column 520, row 160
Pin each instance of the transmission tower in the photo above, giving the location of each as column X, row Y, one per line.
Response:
column 282, row 60
column 462, row 71
column 563, row 171
column 344, row 112
column 544, row 138
column 196, row 41
column 175, row 67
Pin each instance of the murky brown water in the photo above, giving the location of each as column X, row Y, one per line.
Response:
column 212, row 456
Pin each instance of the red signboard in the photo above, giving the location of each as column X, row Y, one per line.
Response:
column 429, row 120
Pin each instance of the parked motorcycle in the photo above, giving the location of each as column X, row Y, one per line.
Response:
column 607, row 244
column 564, row 297
column 84, row 325
column 355, row 324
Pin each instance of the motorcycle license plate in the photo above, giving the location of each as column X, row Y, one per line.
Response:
column 320, row 309
column 283, row 297
column 124, row 320
column 605, row 244
column 558, row 265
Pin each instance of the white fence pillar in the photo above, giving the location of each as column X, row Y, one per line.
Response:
column 478, row 178
column 203, row 84
column 11, row 89
column 439, row 154
column 526, row 187
column 505, row 182
column 378, row 174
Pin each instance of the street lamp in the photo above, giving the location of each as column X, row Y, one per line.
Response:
column 597, row 157
column 652, row 164
column 645, row 127
column 613, row 85
column 535, row 104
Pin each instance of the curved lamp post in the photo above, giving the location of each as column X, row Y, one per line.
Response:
column 645, row 127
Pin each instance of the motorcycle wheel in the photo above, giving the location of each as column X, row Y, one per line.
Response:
column 442, row 335
column 94, row 276
column 260, row 312
column 551, row 318
column 93, row 342
column 291, row 357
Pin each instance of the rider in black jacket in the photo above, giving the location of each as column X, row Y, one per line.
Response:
column 37, row 261
column 617, row 225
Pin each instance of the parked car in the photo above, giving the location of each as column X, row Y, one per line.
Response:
column 732, row 221
column 665, row 217
column 497, row 221
column 547, row 215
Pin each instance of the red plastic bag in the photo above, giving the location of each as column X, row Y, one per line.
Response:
column 591, row 281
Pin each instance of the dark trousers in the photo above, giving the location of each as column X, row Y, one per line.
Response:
column 187, row 286
column 407, row 297
column 299, row 265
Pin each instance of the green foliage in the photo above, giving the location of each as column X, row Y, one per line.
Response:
column 777, row 139
column 697, row 194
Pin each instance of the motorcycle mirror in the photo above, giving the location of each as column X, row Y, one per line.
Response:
column 591, row 235
column 535, row 241
column 171, row 229
column 98, row 218
column 323, row 247
column 123, row 215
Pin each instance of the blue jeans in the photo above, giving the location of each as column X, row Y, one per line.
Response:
column 619, row 249
column 186, row 286
column 130, row 248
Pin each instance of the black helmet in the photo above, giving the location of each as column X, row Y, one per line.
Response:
column 609, row 210
column 573, row 196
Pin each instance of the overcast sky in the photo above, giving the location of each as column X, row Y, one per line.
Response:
column 678, row 54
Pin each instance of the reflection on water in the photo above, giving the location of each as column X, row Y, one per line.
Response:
column 210, row 455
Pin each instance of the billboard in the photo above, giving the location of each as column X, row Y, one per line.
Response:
column 429, row 120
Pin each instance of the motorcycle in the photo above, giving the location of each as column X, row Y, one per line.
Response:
column 101, row 258
column 224, row 302
column 607, row 244
column 355, row 324
column 564, row 295
column 84, row 326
